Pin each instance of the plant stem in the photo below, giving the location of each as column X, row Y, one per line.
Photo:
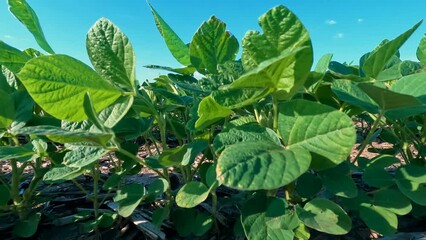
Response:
column 369, row 135
column 214, row 210
column 95, row 172
column 275, row 110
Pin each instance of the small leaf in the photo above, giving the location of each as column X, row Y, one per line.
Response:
column 12, row 58
column 325, row 216
column 339, row 182
column 260, row 165
column 413, row 190
column 111, row 53
column 26, row 15
column 421, row 51
column 81, row 156
column 376, row 177
column 378, row 59
column 318, row 128
column 128, row 198
column 28, row 227
column 379, row 219
column 172, row 157
column 58, row 80
column 308, row 185
column 62, row 173
column 10, row 152
column 412, row 172
column 202, row 224
column 176, row 46
column 194, row 148
column 209, row 112
column 212, row 45
column 156, row 188
column 238, row 98
column 192, row 194
column 7, row 111
column 392, row 200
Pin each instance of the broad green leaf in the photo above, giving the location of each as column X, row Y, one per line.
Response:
column 82, row 156
column 192, row 194
column 189, row 221
column 194, row 148
column 26, row 15
column 244, row 133
column 349, row 92
column 27, row 227
column 209, row 112
column 58, row 84
column 260, row 165
column 421, row 51
column 265, row 218
column 7, row 111
column 62, row 136
column 376, row 177
column 90, row 112
column 156, row 188
column 282, row 30
column 10, row 152
column 128, row 198
column 4, row 195
column 378, row 59
column 409, row 67
column 323, row 63
column 383, row 161
column 379, row 219
column 308, row 185
column 111, row 53
column 238, row 98
column 24, row 107
column 12, row 58
column 325, row 216
column 112, row 114
column 185, row 70
column 62, row 173
column 339, row 182
column 176, row 46
column 285, row 73
column 412, row 172
column 320, row 129
column 212, row 45
column 202, row 224
column 414, row 85
column 302, row 232
column 413, row 190
column 392, row 200
column 172, row 157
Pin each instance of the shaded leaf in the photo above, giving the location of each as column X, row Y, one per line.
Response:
column 192, row 194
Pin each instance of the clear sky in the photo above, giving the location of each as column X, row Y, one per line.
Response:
column 346, row 28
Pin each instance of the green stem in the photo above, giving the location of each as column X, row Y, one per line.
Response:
column 214, row 209
column 275, row 112
column 369, row 135
column 95, row 172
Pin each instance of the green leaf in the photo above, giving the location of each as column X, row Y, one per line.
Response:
column 413, row 85
column 111, row 53
column 156, row 188
column 7, row 111
column 202, row 224
column 308, row 185
column 349, row 92
column 62, row 136
column 26, row 15
column 58, row 80
column 377, row 177
column 194, row 148
column 412, row 172
column 62, row 173
column 112, row 114
column 10, row 152
column 408, row 67
column 325, row 216
column 209, row 112
column 176, row 46
column 28, row 227
column 244, row 133
column 192, row 194
column 4, row 195
column 188, row 221
column 413, row 190
column 260, row 165
column 238, row 98
column 392, row 200
column 285, row 73
column 421, row 51
column 339, row 182
column 265, row 218
column 282, row 30
column 81, row 156
column 12, row 58
column 379, row 219
column 212, row 45
column 172, row 157
column 378, row 59
column 128, row 198
column 91, row 114
column 318, row 128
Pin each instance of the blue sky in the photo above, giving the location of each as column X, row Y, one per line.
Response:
column 346, row 28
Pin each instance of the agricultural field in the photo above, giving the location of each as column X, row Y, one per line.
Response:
column 268, row 146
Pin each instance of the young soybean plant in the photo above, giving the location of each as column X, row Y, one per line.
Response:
column 276, row 137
